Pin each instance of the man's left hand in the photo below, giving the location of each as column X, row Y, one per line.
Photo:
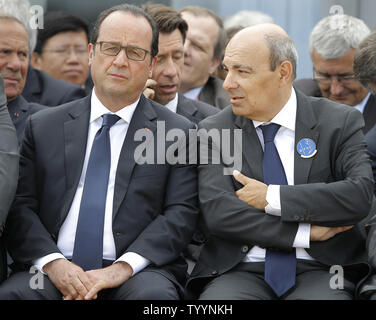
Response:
column 109, row 277
column 253, row 193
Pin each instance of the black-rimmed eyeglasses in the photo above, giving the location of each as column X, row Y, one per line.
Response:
column 113, row 49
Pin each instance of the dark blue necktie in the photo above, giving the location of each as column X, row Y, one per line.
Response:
column 88, row 245
column 280, row 267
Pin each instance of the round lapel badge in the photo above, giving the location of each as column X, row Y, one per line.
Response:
column 306, row 148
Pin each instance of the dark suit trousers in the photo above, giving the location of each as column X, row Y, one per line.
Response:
column 246, row 282
column 145, row 285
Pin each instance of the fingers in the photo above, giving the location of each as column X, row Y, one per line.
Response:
column 93, row 293
column 150, row 83
column 240, row 177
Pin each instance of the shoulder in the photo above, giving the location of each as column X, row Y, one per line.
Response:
column 171, row 119
column 222, row 119
column 59, row 87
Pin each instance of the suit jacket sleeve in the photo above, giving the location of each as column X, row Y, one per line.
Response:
column 347, row 199
column 26, row 237
column 227, row 217
column 9, row 159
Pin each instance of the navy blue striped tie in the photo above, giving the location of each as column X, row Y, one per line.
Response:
column 88, row 245
column 280, row 267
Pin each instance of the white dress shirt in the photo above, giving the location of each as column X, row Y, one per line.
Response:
column 67, row 232
column 285, row 144
column 173, row 104
column 362, row 104
column 193, row 93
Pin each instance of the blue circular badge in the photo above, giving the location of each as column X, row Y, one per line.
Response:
column 306, row 148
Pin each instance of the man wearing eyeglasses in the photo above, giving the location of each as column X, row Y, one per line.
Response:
column 61, row 49
column 94, row 219
column 332, row 46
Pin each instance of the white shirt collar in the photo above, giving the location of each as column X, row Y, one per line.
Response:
column 286, row 117
column 362, row 104
column 98, row 109
column 193, row 93
column 173, row 104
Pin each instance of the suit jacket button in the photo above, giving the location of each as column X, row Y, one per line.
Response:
column 245, row 249
column 118, row 234
column 214, row 273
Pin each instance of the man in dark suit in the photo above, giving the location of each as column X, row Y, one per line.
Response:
column 165, row 83
column 9, row 159
column 332, row 46
column 365, row 72
column 14, row 45
column 166, row 77
column 203, row 50
column 276, row 228
column 146, row 212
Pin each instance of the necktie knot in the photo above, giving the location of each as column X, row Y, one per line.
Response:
column 269, row 131
column 109, row 120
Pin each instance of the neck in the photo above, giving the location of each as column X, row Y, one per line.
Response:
column 115, row 103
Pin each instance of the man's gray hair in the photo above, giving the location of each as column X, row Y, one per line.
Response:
column 282, row 48
column 246, row 18
column 20, row 10
column 334, row 35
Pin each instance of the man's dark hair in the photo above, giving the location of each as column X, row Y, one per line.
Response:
column 56, row 22
column 198, row 11
column 137, row 12
column 167, row 19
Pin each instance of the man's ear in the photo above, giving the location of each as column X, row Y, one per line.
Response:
column 36, row 61
column 285, row 72
column 214, row 65
column 152, row 64
column 91, row 49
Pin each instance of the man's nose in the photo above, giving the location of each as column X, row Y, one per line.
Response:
column 336, row 87
column 121, row 59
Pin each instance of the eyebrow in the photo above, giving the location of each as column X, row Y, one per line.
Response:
column 240, row 66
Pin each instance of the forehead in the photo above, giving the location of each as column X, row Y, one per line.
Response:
column 126, row 28
column 333, row 66
column 69, row 37
column 12, row 32
column 245, row 51
column 203, row 28
column 170, row 41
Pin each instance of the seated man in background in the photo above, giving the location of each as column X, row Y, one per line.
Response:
column 61, row 49
column 203, row 50
column 8, row 171
column 166, row 76
column 166, row 80
column 14, row 60
column 332, row 45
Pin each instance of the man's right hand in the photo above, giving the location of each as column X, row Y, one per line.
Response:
column 319, row 233
column 68, row 278
column 149, row 90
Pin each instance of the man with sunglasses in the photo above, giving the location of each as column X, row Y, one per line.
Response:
column 332, row 45
column 94, row 219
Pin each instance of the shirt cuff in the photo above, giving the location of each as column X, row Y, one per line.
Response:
column 274, row 200
column 41, row 262
column 136, row 261
column 302, row 237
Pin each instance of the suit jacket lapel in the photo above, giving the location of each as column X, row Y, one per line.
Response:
column 185, row 108
column 142, row 119
column 251, row 147
column 305, row 128
column 369, row 113
column 75, row 135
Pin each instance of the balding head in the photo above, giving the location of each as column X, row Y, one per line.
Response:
column 277, row 41
column 261, row 63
